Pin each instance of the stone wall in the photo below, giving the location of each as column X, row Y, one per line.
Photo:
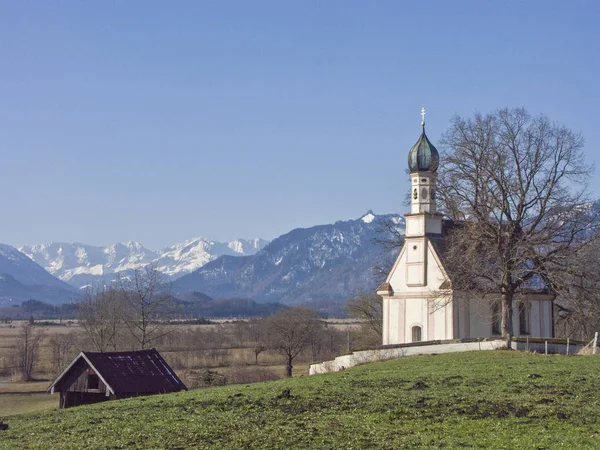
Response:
column 427, row 348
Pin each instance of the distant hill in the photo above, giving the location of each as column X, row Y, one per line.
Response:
column 325, row 262
column 196, row 304
column 192, row 305
column 22, row 279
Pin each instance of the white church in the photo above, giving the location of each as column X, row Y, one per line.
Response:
column 418, row 301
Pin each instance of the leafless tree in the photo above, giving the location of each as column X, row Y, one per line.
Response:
column 578, row 300
column 256, row 330
column 27, row 350
column 62, row 347
column 516, row 184
column 100, row 313
column 367, row 307
column 147, row 302
column 290, row 331
column 390, row 235
column 390, row 238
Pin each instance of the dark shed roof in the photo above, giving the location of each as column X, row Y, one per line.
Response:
column 143, row 371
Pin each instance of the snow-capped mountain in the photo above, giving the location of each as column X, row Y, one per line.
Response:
column 22, row 279
column 82, row 265
column 181, row 259
column 325, row 262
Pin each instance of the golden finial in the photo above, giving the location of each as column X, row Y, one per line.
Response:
column 423, row 116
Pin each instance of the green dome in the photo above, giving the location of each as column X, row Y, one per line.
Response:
column 423, row 156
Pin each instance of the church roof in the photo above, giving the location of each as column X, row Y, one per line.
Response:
column 423, row 156
column 385, row 287
column 439, row 243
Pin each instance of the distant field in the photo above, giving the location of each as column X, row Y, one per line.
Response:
column 11, row 404
column 229, row 355
column 494, row 400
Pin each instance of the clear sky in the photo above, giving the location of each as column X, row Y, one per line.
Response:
column 162, row 121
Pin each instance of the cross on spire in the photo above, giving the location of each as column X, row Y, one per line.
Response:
column 423, row 116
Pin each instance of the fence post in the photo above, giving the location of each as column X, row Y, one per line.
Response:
column 527, row 344
column 595, row 342
column 546, row 347
column 567, row 346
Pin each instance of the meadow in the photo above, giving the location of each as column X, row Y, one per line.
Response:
column 495, row 400
column 221, row 352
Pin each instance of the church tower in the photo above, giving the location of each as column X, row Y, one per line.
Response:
column 411, row 312
column 423, row 219
column 418, row 301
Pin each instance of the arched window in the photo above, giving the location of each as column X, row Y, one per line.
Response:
column 524, row 318
column 416, row 333
column 496, row 319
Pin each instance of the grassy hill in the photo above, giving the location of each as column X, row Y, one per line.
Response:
column 490, row 400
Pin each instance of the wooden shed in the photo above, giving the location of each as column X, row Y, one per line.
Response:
column 96, row 377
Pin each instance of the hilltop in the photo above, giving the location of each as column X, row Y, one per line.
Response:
column 490, row 400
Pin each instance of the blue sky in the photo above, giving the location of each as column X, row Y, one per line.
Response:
column 162, row 121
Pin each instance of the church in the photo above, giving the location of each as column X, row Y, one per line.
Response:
column 419, row 303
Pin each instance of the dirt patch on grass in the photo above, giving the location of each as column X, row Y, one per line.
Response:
column 419, row 386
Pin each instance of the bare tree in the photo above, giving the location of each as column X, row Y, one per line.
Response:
column 390, row 237
column 100, row 313
column 578, row 300
column 290, row 331
column 368, row 309
column 517, row 186
column 147, row 301
column 27, row 350
column 256, row 330
column 63, row 347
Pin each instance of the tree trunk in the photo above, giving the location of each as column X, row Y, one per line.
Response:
column 507, row 318
column 288, row 367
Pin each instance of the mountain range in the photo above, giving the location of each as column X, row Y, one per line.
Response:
column 22, row 279
column 320, row 263
column 82, row 265
column 325, row 262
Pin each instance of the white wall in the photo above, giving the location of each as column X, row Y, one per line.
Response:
column 370, row 356
column 413, row 302
column 480, row 319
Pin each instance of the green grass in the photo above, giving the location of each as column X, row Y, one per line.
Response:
column 496, row 400
column 11, row 404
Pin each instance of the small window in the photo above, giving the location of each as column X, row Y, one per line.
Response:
column 496, row 318
column 524, row 318
column 93, row 381
column 416, row 334
column 415, row 194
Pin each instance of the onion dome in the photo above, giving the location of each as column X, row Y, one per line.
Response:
column 423, row 156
